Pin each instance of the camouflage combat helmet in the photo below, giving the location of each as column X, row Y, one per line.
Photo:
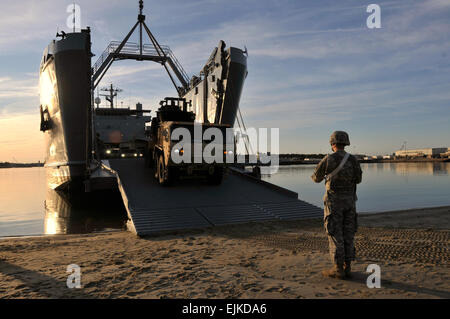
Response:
column 339, row 137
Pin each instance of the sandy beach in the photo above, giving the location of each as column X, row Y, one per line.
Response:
column 265, row 260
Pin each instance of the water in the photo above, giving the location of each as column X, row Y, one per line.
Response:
column 28, row 207
column 385, row 186
column 22, row 195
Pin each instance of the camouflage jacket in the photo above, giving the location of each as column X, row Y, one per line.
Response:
column 344, row 183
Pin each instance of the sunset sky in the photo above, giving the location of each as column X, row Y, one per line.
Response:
column 314, row 66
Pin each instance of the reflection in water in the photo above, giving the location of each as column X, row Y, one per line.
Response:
column 426, row 168
column 78, row 213
column 385, row 186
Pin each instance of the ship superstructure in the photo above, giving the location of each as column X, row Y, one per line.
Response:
column 120, row 132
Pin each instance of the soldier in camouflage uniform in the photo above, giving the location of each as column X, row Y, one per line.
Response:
column 340, row 217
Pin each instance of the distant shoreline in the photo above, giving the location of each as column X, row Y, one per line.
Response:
column 408, row 160
column 284, row 162
column 19, row 165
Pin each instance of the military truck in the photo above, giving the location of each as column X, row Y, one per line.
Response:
column 180, row 148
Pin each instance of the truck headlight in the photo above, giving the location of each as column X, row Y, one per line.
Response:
column 177, row 151
column 108, row 151
column 123, row 155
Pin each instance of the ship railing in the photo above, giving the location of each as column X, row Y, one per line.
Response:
column 100, row 61
column 134, row 49
column 178, row 65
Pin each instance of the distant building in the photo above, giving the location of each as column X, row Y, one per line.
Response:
column 359, row 156
column 446, row 154
column 425, row 152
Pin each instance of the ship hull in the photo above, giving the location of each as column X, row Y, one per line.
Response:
column 65, row 98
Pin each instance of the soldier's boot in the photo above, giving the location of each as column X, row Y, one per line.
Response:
column 336, row 272
column 348, row 269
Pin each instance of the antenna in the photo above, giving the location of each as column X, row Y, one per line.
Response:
column 112, row 94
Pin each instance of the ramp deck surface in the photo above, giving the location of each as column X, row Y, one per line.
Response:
column 190, row 204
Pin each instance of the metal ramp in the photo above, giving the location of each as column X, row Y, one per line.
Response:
column 193, row 204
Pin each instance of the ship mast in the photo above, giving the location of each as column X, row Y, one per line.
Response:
column 112, row 94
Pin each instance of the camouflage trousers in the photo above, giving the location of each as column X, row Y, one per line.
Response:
column 340, row 221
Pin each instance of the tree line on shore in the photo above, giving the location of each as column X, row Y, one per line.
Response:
column 12, row 165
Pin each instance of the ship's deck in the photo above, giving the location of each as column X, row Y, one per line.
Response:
column 193, row 204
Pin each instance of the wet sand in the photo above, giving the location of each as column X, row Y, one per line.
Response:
column 268, row 260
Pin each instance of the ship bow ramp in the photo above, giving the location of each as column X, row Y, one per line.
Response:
column 190, row 204
column 216, row 93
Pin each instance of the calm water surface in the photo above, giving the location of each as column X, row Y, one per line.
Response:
column 27, row 207
column 22, row 195
column 384, row 187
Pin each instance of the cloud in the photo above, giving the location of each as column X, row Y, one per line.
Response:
column 127, row 72
column 18, row 95
column 30, row 25
column 18, row 88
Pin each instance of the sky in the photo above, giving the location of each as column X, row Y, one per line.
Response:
column 314, row 66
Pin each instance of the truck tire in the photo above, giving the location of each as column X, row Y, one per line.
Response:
column 164, row 177
column 148, row 159
column 216, row 177
column 155, row 165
